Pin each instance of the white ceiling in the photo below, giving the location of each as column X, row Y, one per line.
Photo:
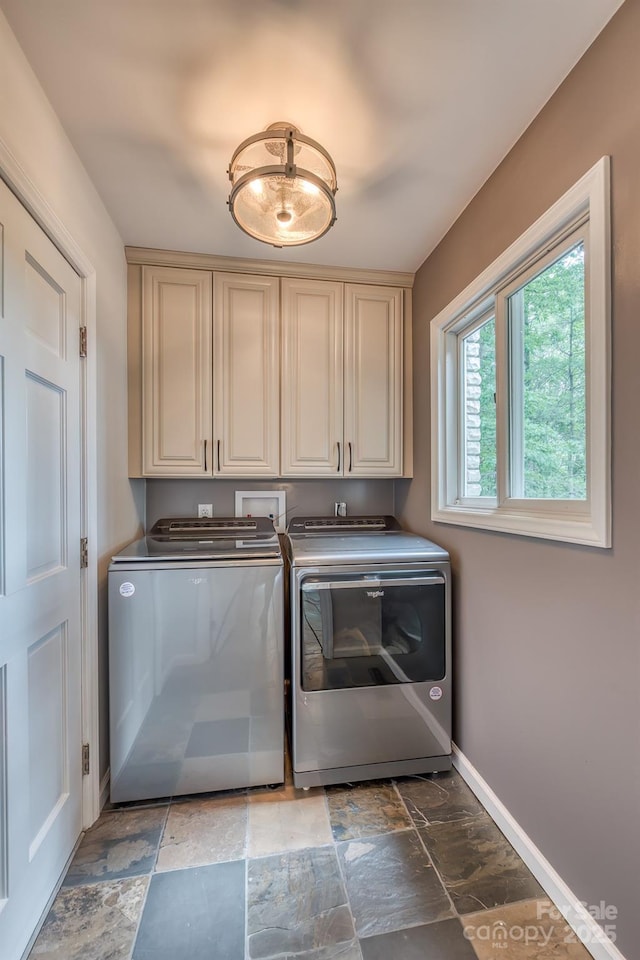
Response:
column 416, row 100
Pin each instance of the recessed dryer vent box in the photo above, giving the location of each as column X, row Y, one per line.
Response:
column 263, row 503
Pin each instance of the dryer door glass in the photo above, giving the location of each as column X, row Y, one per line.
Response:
column 369, row 631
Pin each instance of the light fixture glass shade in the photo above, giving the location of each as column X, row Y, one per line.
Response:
column 283, row 187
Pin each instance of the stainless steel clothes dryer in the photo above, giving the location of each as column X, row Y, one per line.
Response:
column 371, row 650
column 196, row 648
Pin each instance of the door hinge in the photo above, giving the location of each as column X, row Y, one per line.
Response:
column 84, row 552
column 86, row 765
column 83, row 341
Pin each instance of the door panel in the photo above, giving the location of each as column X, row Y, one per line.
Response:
column 246, row 366
column 40, row 610
column 45, row 469
column 45, row 307
column 176, row 372
column 312, row 378
column 373, row 381
column 48, row 668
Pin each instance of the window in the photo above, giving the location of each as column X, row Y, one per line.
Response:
column 520, row 381
column 478, row 413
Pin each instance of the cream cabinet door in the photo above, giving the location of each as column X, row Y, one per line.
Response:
column 176, row 372
column 312, row 409
column 373, row 381
column 246, row 375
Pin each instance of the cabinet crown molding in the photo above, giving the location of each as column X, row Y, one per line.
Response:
column 273, row 268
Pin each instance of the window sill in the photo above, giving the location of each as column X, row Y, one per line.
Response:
column 582, row 529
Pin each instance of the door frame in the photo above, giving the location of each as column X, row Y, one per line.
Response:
column 26, row 191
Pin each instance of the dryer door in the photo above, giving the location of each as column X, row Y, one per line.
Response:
column 371, row 630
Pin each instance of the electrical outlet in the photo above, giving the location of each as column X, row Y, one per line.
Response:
column 340, row 509
column 205, row 509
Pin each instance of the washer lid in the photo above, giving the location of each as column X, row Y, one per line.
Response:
column 314, row 526
column 217, row 538
column 394, row 546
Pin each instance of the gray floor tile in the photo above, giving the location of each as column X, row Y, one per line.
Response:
column 296, row 902
column 121, row 844
column 200, row 831
column 195, row 914
column 366, row 809
column 478, row 865
column 439, row 799
column 339, row 951
column 302, row 900
column 93, row 922
column 391, row 883
column 287, row 825
column 444, row 940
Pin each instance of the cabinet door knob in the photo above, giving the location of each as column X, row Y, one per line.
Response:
column 218, row 456
column 205, row 456
column 338, row 470
column 350, row 457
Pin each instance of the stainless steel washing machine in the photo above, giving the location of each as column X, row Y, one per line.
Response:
column 371, row 650
column 196, row 644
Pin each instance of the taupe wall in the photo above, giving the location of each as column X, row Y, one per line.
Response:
column 166, row 498
column 547, row 635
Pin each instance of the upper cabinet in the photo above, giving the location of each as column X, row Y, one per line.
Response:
column 242, row 375
column 312, row 378
column 208, row 400
column 342, row 379
column 246, row 375
column 373, row 377
column 176, row 371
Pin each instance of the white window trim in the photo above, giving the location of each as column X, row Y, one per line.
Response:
column 586, row 522
column 472, row 322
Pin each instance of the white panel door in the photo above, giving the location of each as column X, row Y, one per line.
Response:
column 373, row 381
column 246, row 376
column 312, row 378
column 40, row 578
column 176, row 372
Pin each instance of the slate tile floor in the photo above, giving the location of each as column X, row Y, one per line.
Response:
column 412, row 869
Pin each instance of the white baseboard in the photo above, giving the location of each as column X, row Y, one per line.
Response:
column 104, row 788
column 575, row 913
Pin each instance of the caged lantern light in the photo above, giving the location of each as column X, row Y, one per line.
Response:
column 283, row 186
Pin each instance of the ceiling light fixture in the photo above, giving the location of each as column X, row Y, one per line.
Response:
column 283, row 187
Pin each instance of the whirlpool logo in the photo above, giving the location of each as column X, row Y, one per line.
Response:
column 375, row 593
